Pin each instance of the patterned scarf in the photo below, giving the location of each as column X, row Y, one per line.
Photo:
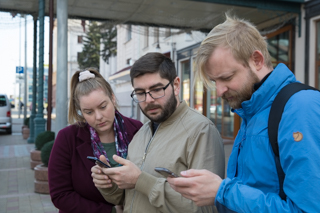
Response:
column 121, row 139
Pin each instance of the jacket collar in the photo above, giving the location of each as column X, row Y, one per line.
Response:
column 83, row 133
column 265, row 94
column 180, row 110
column 84, row 148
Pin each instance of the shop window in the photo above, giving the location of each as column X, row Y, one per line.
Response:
column 220, row 114
column 198, row 96
column 185, row 77
column 280, row 46
column 317, row 69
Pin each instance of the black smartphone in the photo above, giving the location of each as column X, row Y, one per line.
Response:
column 165, row 172
column 99, row 162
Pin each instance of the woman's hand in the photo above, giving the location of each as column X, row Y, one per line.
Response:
column 100, row 179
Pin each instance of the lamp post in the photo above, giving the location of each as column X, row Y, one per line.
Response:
column 39, row 121
column 34, row 81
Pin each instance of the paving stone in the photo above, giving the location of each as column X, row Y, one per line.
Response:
column 17, row 179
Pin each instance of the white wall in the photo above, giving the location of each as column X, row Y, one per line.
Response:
column 74, row 29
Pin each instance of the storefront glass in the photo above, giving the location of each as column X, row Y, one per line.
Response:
column 198, row 96
column 221, row 115
column 279, row 46
column 185, row 78
column 318, row 56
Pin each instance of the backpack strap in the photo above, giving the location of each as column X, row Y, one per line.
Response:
column 273, row 124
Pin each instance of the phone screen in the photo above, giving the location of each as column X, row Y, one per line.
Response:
column 98, row 161
column 165, row 172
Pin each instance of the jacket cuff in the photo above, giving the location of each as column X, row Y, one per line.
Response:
column 112, row 195
column 145, row 183
column 109, row 191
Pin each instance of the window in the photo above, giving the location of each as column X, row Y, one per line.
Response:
column 198, row 96
column 156, row 35
column 3, row 100
column 280, row 46
column 129, row 32
column 168, row 33
column 317, row 69
column 185, row 72
column 80, row 39
column 220, row 114
column 146, row 36
column 129, row 61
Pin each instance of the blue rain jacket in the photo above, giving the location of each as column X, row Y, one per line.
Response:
column 252, row 183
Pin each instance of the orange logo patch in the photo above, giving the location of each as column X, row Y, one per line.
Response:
column 297, row 136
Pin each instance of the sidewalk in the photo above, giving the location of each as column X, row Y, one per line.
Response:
column 17, row 179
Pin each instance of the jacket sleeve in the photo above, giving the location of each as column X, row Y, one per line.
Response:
column 299, row 158
column 204, row 151
column 61, row 181
column 113, row 195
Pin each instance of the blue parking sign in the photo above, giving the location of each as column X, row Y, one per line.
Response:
column 19, row 70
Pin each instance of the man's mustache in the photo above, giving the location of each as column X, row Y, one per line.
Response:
column 151, row 106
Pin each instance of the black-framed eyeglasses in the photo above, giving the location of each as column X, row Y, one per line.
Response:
column 154, row 93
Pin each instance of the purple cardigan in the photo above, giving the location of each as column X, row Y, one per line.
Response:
column 70, row 181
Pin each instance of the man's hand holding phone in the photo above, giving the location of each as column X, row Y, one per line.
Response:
column 99, row 162
column 100, row 179
column 124, row 176
column 201, row 186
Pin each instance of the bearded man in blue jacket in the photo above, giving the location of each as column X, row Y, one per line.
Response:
column 235, row 56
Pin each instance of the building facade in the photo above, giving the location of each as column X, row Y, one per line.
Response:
column 291, row 41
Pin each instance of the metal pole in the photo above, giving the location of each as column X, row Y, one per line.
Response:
column 50, row 67
column 39, row 120
column 25, row 70
column 62, row 65
column 19, row 102
column 31, row 138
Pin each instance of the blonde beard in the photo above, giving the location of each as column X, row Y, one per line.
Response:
column 244, row 93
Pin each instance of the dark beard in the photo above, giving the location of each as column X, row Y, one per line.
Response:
column 167, row 111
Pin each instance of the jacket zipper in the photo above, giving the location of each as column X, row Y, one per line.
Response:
column 143, row 160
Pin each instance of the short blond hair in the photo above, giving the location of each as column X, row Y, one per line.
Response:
column 238, row 35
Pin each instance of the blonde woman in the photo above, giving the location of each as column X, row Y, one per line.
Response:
column 97, row 129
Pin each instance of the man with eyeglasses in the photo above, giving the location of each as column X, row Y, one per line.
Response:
column 176, row 137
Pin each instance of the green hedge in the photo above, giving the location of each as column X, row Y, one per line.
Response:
column 43, row 138
column 45, row 152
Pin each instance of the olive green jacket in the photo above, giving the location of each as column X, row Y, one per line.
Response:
column 186, row 140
